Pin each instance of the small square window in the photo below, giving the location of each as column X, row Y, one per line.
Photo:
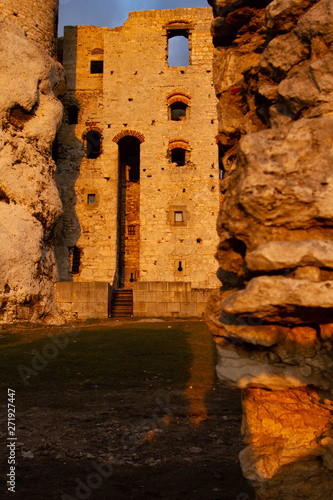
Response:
column 178, row 216
column 131, row 230
column 91, row 199
column 96, row 67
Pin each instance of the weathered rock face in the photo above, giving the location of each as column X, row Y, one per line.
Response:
column 30, row 80
column 273, row 319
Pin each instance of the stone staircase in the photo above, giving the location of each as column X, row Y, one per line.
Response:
column 122, row 304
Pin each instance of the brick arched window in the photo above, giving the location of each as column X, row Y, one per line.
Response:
column 178, row 105
column 179, row 152
column 132, row 133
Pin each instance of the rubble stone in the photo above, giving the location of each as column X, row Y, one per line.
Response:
column 272, row 319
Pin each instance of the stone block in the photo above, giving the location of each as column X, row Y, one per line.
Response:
column 101, row 286
column 64, row 292
column 157, row 286
column 156, row 309
column 101, row 310
column 201, row 309
column 77, row 307
column 182, row 296
column 140, row 308
column 65, row 307
column 140, row 286
column 188, row 309
column 100, row 296
column 173, row 307
column 179, row 286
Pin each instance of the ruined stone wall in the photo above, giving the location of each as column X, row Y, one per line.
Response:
column 29, row 202
column 130, row 98
column 272, row 320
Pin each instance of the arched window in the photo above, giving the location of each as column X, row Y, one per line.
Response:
column 93, row 144
column 179, row 152
column 178, row 105
column 178, row 43
column 178, row 111
column 178, row 156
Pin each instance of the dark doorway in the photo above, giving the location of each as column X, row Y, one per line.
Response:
column 128, row 239
column 129, row 156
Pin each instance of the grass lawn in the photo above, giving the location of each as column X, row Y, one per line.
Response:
column 139, row 396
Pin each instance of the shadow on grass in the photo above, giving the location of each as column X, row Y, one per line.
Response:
column 105, row 392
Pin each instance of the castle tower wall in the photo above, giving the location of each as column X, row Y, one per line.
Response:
column 132, row 97
column 38, row 18
column 30, row 113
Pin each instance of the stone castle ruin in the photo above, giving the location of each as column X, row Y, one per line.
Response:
column 137, row 166
column 138, row 173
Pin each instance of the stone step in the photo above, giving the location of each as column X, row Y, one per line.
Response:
column 122, row 305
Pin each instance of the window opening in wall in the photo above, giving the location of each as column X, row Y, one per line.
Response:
column 180, row 267
column 73, row 115
column 91, row 199
column 129, row 151
column 178, row 155
column 93, row 144
column 178, row 111
column 178, row 217
column 178, row 47
column 128, row 211
column 96, row 67
column 76, row 254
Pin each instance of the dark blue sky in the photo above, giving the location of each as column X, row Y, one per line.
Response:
column 111, row 13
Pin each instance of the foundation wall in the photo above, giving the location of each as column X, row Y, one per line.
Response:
column 169, row 299
column 83, row 300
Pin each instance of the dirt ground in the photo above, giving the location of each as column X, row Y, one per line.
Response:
column 123, row 410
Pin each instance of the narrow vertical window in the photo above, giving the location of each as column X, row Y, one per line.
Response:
column 93, row 144
column 76, row 254
column 73, row 114
column 91, row 199
column 178, row 47
column 178, row 217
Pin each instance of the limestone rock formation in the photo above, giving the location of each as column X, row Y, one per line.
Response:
column 29, row 202
column 273, row 318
